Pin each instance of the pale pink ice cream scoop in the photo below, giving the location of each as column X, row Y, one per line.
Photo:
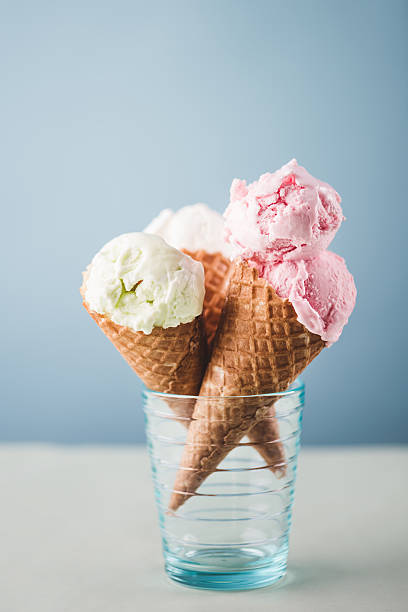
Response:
column 321, row 290
column 288, row 214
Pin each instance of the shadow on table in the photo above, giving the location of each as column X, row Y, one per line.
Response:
column 315, row 575
column 322, row 574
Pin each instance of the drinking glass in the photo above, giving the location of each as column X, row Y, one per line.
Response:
column 233, row 533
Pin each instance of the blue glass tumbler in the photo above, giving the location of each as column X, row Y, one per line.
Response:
column 233, row 533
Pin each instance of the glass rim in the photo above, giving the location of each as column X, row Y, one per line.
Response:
column 296, row 387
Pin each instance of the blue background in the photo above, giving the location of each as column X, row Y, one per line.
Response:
column 110, row 111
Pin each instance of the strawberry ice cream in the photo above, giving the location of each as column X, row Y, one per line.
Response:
column 288, row 214
column 321, row 290
column 282, row 225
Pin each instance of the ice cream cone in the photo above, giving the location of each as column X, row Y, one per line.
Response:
column 147, row 298
column 260, row 347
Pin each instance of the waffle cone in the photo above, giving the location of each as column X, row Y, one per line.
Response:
column 260, row 347
column 168, row 360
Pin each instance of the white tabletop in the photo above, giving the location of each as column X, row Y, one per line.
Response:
column 78, row 532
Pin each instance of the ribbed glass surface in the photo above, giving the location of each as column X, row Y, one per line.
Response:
column 233, row 532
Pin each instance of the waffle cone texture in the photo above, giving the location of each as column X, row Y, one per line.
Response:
column 168, row 360
column 260, row 347
column 217, row 269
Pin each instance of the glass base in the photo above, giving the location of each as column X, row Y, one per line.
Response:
column 227, row 570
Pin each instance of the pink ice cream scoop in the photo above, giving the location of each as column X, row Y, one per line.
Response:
column 321, row 290
column 285, row 215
